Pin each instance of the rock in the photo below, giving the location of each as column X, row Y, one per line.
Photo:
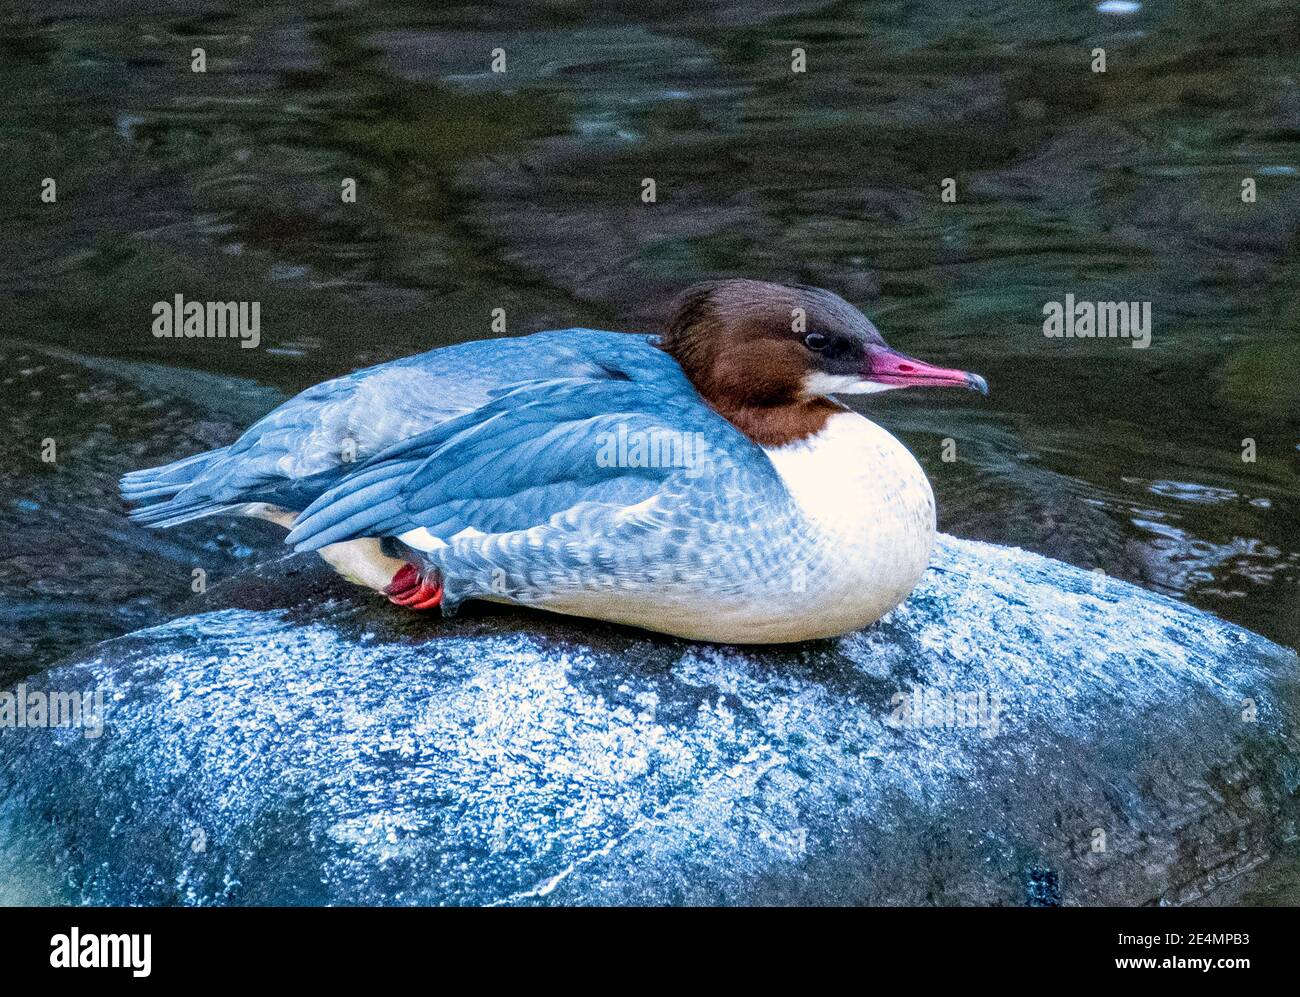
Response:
column 71, row 425
column 1083, row 742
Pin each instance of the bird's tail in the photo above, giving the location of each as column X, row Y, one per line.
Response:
column 161, row 492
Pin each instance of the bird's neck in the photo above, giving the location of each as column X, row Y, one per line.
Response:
column 766, row 402
column 778, row 425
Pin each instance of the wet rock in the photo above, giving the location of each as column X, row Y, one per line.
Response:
column 1078, row 741
column 72, row 570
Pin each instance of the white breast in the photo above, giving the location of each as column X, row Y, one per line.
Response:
column 863, row 539
column 869, row 517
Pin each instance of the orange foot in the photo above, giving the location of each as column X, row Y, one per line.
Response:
column 414, row 591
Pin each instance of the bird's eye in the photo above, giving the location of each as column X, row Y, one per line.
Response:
column 815, row 341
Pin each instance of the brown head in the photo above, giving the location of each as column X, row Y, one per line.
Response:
column 768, row 356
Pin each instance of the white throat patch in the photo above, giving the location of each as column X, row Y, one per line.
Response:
column 821, row 383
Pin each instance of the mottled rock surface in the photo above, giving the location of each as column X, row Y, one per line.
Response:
column 300, row 742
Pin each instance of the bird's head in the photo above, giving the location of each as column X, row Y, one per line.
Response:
column 767, row 356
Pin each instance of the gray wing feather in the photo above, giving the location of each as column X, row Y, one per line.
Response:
column 523, row 458
column 314, row 440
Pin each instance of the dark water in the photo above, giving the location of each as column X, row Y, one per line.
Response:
column 522, row 191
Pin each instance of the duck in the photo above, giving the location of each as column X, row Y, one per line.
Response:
column 703, row 482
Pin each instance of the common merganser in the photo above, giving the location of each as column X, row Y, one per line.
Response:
column 701, row 484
